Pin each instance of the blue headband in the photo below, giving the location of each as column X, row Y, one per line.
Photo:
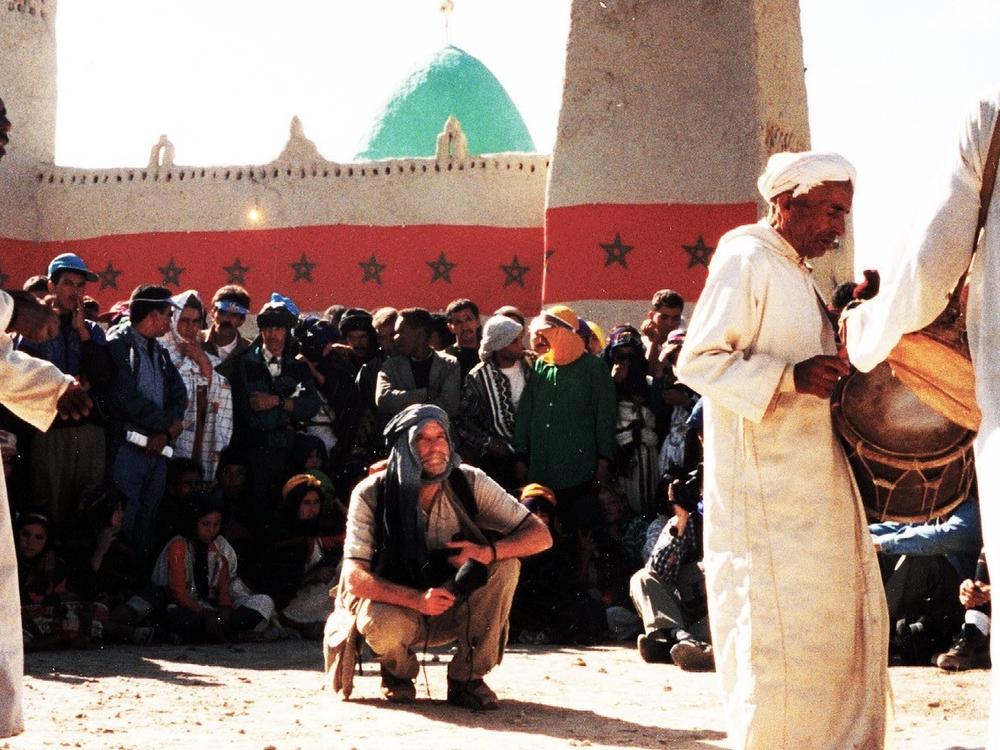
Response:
column 227, row 305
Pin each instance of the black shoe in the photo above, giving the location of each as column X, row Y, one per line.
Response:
column 913, row 642
column 397, row 689
column 654, row 647
column 970, row 650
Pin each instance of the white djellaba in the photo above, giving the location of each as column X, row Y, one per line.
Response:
column 30, row 388
column 798, row 617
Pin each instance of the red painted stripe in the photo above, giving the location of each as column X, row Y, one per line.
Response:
column 478, row 253
column 577, row 267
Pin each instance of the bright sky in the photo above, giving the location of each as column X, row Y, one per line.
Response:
column 889, row 83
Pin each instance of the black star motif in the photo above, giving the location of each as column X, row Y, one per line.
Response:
column 514, row 273
column 303, row 269
column 109, row 277
column 441, row 267
column 372, row 270
column 699, row 253
column 3, row 278
column 616, row 251
column 172, row 273
column 236, row 273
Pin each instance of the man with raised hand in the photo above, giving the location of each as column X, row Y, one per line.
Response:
column 71, row 455
column 938, row 254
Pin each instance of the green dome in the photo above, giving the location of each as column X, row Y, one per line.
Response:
column 455, row 83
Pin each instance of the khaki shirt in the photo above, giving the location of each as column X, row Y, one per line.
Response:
column 497, row 510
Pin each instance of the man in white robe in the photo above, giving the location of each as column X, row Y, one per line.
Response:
column 939, row 252
column 796, row 608
column 34, row 390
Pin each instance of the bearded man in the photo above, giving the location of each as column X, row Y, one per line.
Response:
column 410, row 527
column 802, row 659
column 564, row 433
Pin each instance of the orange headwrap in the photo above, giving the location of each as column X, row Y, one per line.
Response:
column 558, row 325
column 301, row 479
column 537, row 490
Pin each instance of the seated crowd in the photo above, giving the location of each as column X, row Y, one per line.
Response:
column 206, row 494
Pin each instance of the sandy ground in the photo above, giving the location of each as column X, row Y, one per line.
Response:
column 272, row 696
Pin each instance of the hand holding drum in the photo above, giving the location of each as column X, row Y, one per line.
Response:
column 818, row 375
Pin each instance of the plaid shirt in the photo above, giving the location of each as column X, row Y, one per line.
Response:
column 218, row 415
column 671, row 553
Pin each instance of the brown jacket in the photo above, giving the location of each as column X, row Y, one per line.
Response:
column 210, row 345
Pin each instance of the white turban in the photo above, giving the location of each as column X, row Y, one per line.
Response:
column 498, row 332
column 801, row 172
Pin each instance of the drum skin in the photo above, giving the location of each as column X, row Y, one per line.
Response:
column 911, row 464
column 935, row 364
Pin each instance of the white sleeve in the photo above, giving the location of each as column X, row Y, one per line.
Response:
column 718, row 359
column 29, row 387
column 936, row 256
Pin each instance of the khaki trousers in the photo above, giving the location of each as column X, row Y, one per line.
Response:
column 479, row 625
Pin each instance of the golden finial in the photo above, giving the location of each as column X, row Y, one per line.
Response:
column 446, row 8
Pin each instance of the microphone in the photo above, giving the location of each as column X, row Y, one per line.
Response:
column 471, row 576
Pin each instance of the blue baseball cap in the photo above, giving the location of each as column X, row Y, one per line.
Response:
column 70, row 262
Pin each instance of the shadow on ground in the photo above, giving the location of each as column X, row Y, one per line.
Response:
column 558, row 722
column 151, row 662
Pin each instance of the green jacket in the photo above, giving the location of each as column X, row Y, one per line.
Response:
column 566, row 421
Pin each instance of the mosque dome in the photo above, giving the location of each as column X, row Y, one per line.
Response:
column 452, row 82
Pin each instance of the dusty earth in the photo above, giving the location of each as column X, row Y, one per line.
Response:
column 272, row 696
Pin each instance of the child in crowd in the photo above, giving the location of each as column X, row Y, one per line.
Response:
column 104, row 567
column 196, row 577
column 550, row 605
column 51, row 615
column 609, row 555
column 303, row 564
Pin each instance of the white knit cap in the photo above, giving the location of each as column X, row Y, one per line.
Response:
column 801, row 172
column 498, row 332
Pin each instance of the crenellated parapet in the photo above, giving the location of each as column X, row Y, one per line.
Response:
column 499, row 163
column 299, row 188
column 36, row 8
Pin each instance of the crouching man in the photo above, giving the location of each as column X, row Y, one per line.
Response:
column 430, row 558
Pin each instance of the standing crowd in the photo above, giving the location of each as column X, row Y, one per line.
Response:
column 206, row 494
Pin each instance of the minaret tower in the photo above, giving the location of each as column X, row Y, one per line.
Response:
column 28, row 88
column 669, row 112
